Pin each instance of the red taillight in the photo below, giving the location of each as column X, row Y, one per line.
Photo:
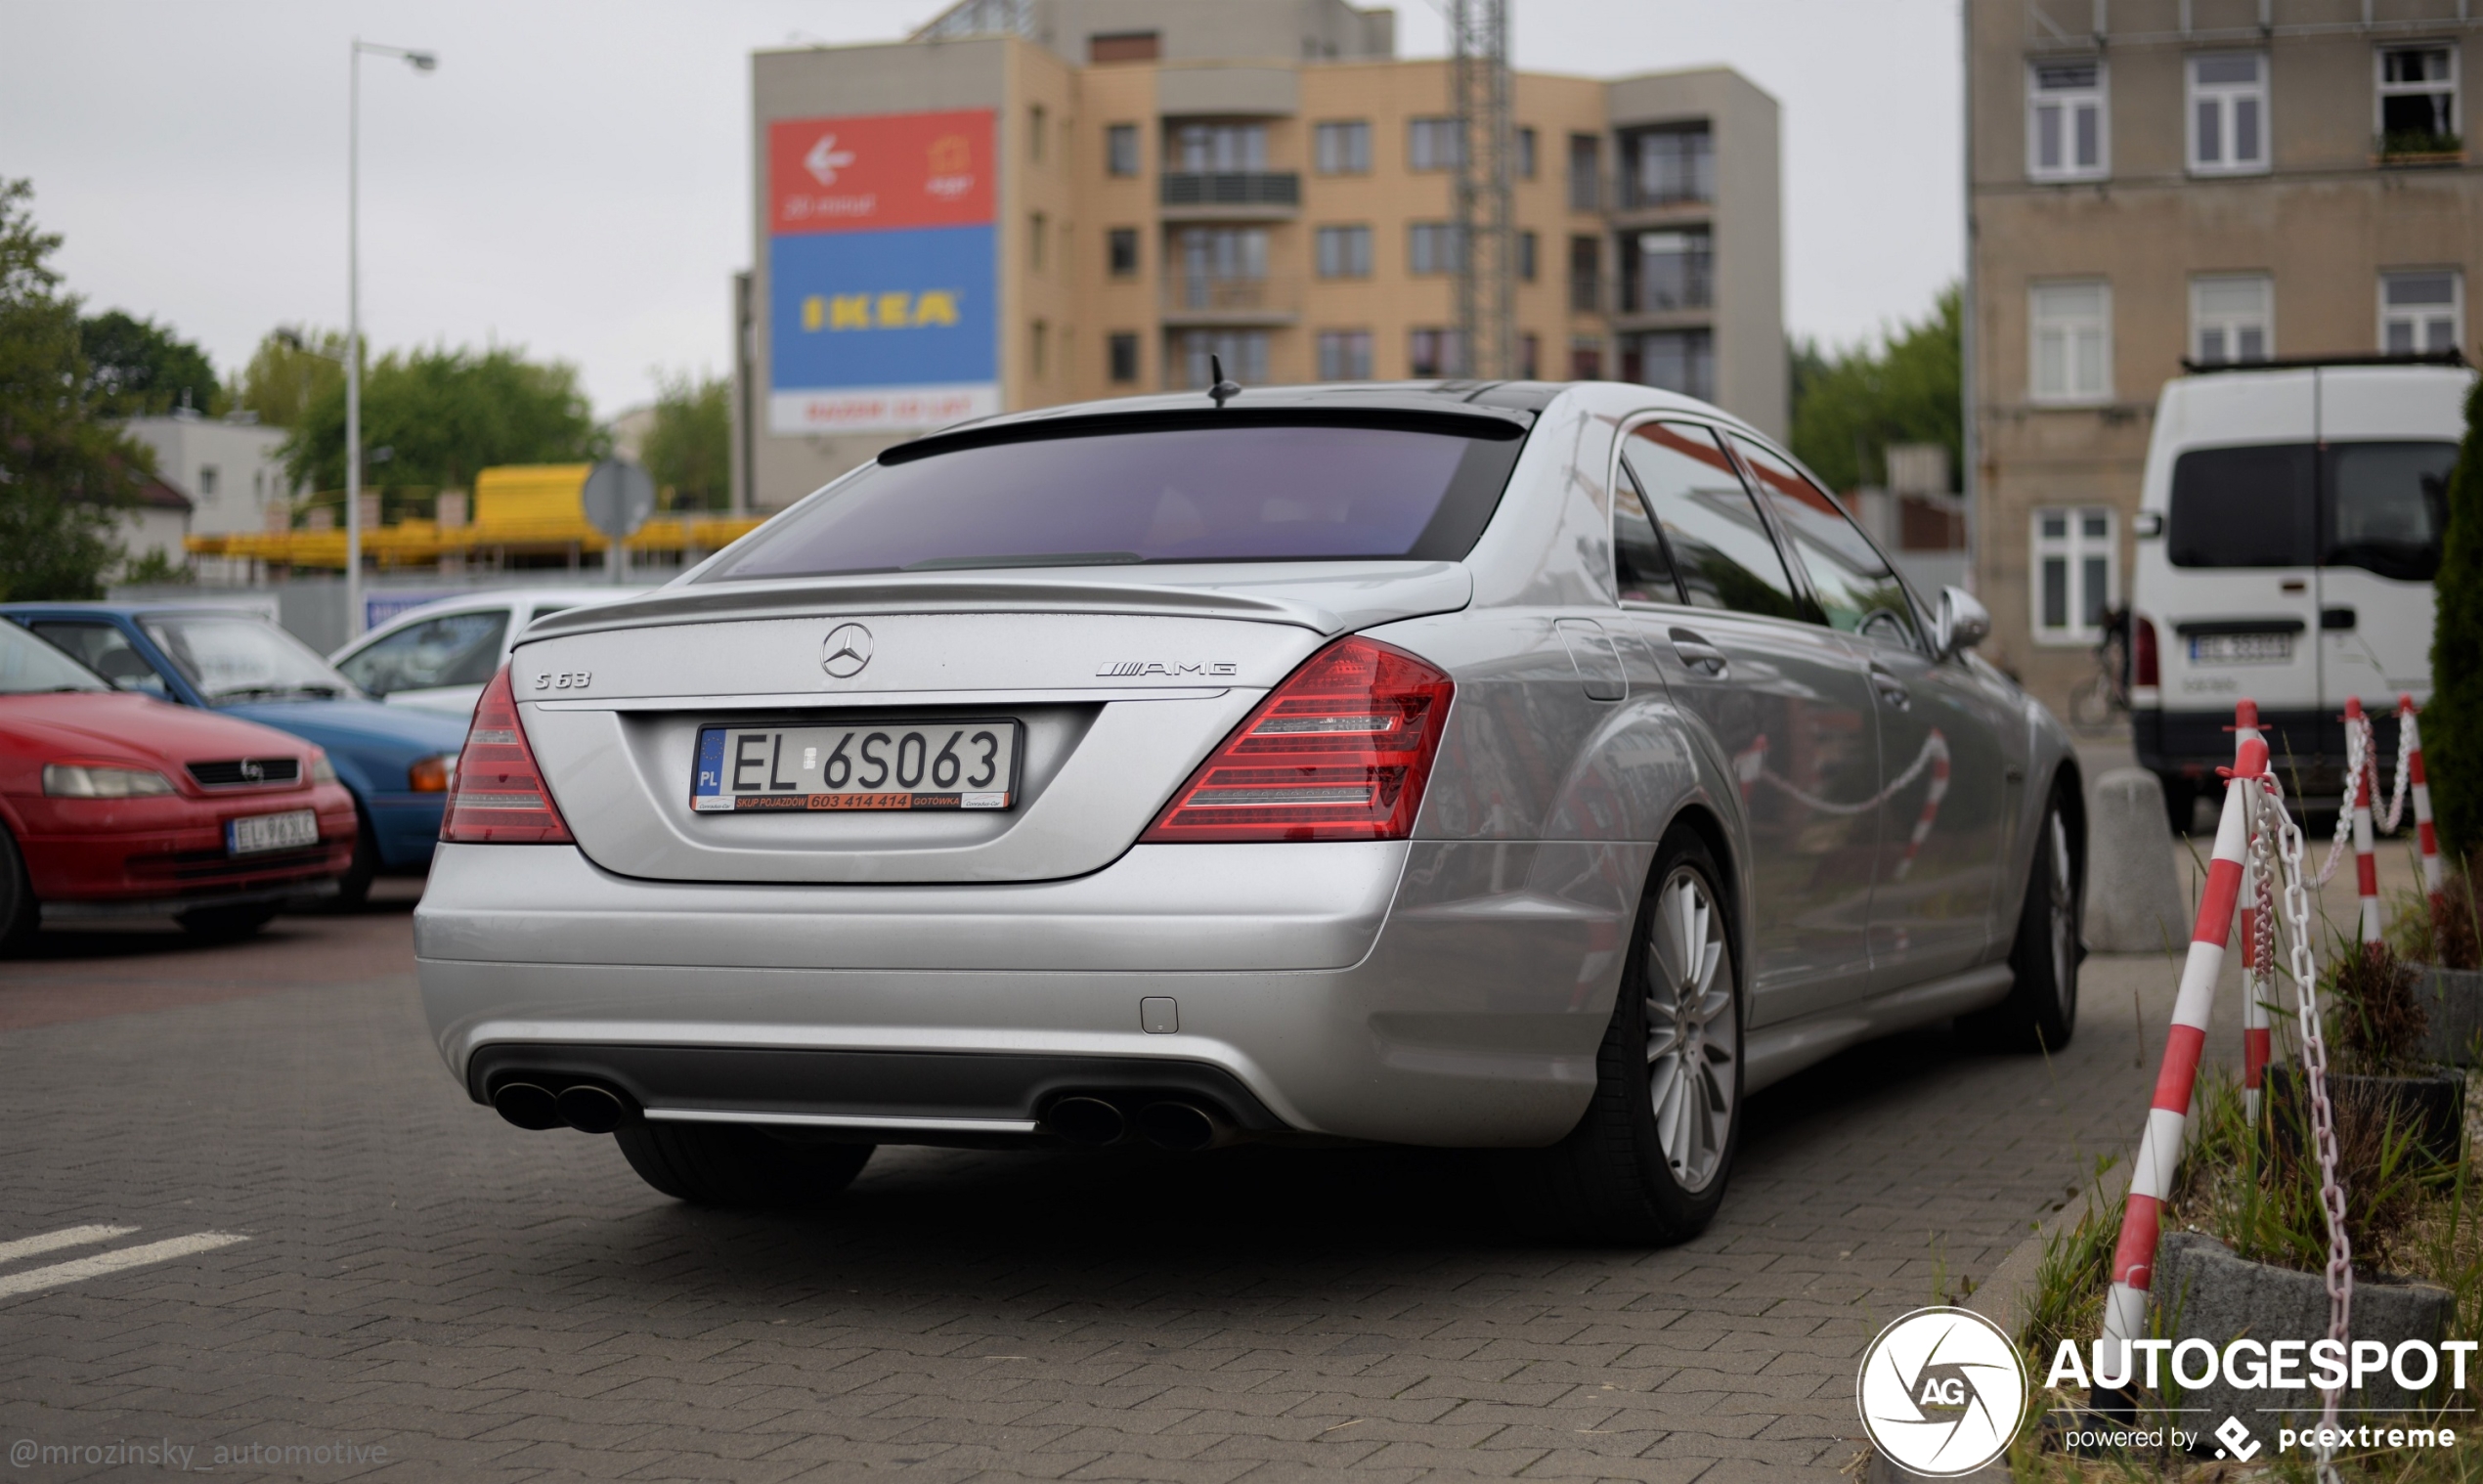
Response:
column 1340, row 751
column 499, row 797
column 2144, row 667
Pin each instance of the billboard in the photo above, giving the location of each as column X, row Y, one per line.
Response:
column 883, row 274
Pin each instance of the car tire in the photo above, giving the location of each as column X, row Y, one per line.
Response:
column 225, row 925
column 736, row 1165
column 1648, row 1163
column 2041, row 1012
column 20, row 912
column 353, row 888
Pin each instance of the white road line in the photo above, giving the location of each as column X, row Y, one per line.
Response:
column 67, row 1237
column 59, row 1273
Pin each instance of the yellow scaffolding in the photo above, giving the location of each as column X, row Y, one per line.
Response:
column 527, row 508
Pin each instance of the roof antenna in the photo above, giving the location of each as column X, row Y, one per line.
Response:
column 1223, row 391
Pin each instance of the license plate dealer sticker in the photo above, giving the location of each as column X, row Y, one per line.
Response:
column 2241, row 648
column 259, row 833
column 859, row 765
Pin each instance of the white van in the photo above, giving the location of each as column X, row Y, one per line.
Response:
column 2289, row 528
column 440, row 656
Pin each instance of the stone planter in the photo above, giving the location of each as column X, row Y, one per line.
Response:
column 2452, row 1002
column 2433, row 1105
column 2201, row 1291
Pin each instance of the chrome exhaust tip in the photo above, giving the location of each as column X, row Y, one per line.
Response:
column 1180, row 1127
column 1090, row 1121
column 526, row 1105
column 590, row 1110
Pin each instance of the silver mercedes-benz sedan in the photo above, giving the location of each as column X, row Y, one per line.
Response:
column 1540, row 768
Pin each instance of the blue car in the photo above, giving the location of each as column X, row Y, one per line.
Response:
column 395, row 760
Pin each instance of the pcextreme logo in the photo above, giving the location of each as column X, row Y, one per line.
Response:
column 1941, row 1392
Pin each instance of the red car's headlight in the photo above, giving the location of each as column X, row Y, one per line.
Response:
column 96, row 780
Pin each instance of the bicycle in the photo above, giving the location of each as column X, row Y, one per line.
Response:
column 2097, row 702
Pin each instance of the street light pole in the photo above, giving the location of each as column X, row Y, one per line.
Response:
column 420, row 61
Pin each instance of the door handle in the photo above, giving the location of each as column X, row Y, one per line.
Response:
column 1892, row 689
column 1699, row 655
column 2335, row 620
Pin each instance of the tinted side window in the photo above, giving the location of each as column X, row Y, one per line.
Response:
column 2242, row 507
column 1720, row 549
column 453, row 649
column 104, row 649
column 1641, row 569
column 1856, row 590
column 2387, row 506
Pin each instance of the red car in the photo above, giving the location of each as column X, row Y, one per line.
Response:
column 114, row 805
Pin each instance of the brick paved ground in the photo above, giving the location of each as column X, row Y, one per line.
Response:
column 491, row 1304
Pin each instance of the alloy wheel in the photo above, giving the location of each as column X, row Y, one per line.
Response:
column 2063, row 904
column 1694, row 1035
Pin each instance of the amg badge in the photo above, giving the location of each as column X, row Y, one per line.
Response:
column 1213, row 669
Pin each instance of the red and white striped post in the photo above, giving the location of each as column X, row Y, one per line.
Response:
column 2409, row 737
column 2256, row 987
column 2150, row 1175
column 2358, row 797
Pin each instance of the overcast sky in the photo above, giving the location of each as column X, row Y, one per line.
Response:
column 575, row 177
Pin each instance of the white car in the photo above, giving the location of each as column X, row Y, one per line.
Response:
column 438, row 656
column 2289, row 528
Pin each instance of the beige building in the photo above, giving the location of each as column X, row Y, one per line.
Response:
column 1257, row 180
column 2160, row 181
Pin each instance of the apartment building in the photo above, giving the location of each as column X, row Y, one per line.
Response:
column 1037, row 201
column 2155, row 182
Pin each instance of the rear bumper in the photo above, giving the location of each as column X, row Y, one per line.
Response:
column 1406, row 993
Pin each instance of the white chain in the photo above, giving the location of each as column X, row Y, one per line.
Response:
column 2356, row 760
column 2314, row 1074
column 2405, row 778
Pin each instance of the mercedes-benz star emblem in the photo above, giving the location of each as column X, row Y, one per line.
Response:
column 847, row 650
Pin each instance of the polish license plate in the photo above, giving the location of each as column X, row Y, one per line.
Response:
column 2241, row 648
column 259, row 833
column 895, row 764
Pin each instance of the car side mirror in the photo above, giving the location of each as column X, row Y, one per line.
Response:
column 1963, row 621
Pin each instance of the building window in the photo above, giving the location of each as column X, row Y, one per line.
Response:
column 1434, row 144
column 1120, row 247
column 1660, row 167
column 1586, row 274
column 1121, row 351
column 2231, row 318
column 1526, row 257
column 1035, row 231
column 1525, row 154
column 1222, row 267
column 1345, row 253
column 1217, row 147
column 207, row 481
column 1034, row 132
column 1243, row 351
column 1434, row 247
column 1344, row 354
column 1344, row 147
column 2074, row 556
column 2228, row 115
column 1530, row 355
column 2418, row 100
column 1432, row 353
column 1120, row 149
column 1124, row 46
column 1667, row 271
column 1677, row 359
column 2422, row 312
column 1585, row 358
column 2066, row 133
column 1585, row 173
column 2072, row 342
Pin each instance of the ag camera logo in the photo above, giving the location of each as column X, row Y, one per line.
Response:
column 1941, row 1392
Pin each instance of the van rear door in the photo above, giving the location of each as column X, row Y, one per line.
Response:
column 2388, row 442
column 2239, row 617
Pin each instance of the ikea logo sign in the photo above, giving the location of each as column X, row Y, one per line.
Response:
column 897, row 310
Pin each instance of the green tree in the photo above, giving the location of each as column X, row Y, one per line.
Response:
column 444, row 415
column 2452, row 723
column 689, row 450
column 140, row 369
column 291, row 369
column 1849, row 407
column 64, row 472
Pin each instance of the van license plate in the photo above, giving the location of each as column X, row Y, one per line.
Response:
column 289, row 831
column 2241, row 648
column 892, row 765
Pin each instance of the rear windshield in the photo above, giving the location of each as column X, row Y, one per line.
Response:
column 2379, row 506
column 1180, row 494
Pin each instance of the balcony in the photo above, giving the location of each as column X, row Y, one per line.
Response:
column 1205, row 300
column 1231, row 192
